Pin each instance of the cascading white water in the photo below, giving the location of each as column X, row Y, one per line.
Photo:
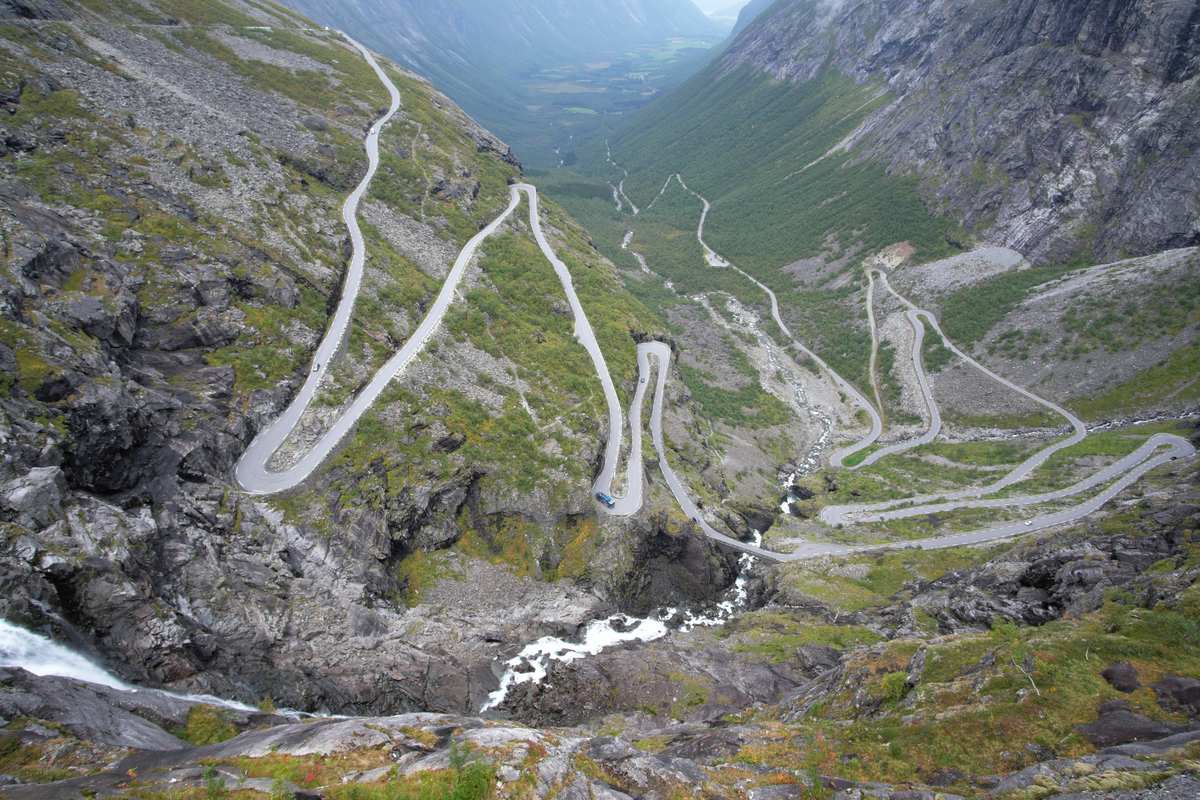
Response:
column 41, row 656
column 532, row 664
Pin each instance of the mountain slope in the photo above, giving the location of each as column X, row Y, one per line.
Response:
column 829, row 131
column 968, row 100
column 172, row 174
column 748, row 13
column 1078, row 648
column 172, row 178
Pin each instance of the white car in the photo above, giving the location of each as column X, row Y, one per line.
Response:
column 316, row 367
column 1028, row 523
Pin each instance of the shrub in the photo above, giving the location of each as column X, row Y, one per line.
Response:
column 894, row 687
column 214, row 784
column 207, row 725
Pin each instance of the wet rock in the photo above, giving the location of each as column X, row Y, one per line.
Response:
column 1118, row 724
column 52, row 263
column 683, row 569
column 112, row 322
column 1179, row 694
column 35, row 498
column 8, row 362
column 706, row 745
column 815, row 658
column 686, row 677
column 94, row 712
column 315, row 123
column 102, row 423
column 1122, row 676
column 426, row 519
column 55, row 388
column 1041, row 580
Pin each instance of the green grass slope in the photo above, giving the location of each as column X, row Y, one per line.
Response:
column 763, row 152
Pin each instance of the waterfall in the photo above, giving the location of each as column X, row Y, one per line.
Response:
column 41, row 656
column 532, row 664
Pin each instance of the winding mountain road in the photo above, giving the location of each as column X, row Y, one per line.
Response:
column 252, row 471
column 661, row 353
column 1155, row 452
column 840, row 515
column 856, row 397
column 1149, row 455
column 255, row 476
column 931, row 406
column 873, row 365
column 631, row 500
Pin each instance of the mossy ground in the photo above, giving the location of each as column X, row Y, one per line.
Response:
column 858, row 583
column 775, row 637
column 983, row 697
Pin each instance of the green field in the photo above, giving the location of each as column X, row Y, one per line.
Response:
column 768, row 210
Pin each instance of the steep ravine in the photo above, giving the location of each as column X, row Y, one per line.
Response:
column 160, row 305
column 745, row 710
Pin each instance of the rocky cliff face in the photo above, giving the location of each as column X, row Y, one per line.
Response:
column 830, row 690
column 1059, row 129
column 171, row 179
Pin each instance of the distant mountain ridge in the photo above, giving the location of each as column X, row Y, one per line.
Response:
column 477, row 51
column 1064, row 130
column 510, row 31
column 724, row 11
column 749, row 13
